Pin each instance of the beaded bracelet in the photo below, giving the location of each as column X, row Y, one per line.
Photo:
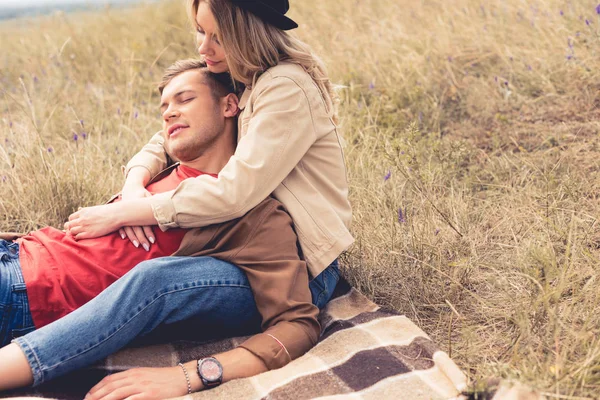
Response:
column 187, row 377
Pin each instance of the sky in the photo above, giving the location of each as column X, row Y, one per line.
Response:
column 35, row 3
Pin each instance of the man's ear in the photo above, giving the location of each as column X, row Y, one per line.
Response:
column 231, row 105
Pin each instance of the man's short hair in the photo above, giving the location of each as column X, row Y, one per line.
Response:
column 220, row 84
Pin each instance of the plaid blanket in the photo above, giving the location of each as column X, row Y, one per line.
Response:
column 364, row 352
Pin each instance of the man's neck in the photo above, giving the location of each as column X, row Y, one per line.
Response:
column 210, row 162
column 213, row 159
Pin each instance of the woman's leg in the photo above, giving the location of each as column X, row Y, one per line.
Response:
column 161, row 291
column 323, row 285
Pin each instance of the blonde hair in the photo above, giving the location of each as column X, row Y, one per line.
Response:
column 252, row 46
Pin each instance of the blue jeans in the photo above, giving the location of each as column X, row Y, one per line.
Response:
column 15, row 319
column 211, row 297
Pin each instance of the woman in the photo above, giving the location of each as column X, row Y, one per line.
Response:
column 288, row 146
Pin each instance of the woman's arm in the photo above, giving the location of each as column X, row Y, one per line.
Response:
column 278, row 134
column 280, row 131
column 152, row 157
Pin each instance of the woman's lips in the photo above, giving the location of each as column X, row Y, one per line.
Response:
column 210, row 62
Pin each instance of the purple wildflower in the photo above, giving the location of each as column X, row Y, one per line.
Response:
column 81, row 122
column 401, row 218
column 569, row 56
column 529, row 68
column 506, row 83
column 35, row 79
column 84, row 135
column 119, row 111
column 496, row 79
column 75, row 137
column 10, row 124
column 387, row 176
column 436, row 231
column 570, row 43
column 587, row 22
column 598, row 9
column 50, row 149
column 577, row 33
column 371, row 86
column 135, row 115
column 562, row 13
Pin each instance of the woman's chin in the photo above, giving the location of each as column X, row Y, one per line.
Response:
column 218, row 68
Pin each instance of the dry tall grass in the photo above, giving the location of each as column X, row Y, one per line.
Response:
column 478, row 120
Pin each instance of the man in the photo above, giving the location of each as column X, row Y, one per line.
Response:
column 61, row 274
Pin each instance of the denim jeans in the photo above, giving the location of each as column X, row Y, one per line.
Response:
column 15, row 319
column 210, row 297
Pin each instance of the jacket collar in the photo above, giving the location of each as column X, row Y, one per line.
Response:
column 244, row 99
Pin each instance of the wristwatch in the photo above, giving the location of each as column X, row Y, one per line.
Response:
column 210, row 371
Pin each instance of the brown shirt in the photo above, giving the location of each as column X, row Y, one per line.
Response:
column 264, row 245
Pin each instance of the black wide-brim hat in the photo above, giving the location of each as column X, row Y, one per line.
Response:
column 270, row 11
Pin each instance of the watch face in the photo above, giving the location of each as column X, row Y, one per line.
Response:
column 210, row 370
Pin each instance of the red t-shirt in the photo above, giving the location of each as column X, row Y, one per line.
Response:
column 62, row 274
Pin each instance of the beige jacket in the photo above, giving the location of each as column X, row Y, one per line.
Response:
column 288, row 146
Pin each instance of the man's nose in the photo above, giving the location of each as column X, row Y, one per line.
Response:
column 170, row 113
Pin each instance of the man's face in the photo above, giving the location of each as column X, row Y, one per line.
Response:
column 192, row 119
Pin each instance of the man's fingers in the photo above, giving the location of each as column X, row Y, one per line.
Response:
column 81, row 235
column 106, row 384
column 114, row 391
column 74, row 229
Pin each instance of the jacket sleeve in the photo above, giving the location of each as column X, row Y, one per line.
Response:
column 279, row 133
column 279, row 281
column 152, row 156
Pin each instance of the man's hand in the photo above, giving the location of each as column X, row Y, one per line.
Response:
column 141, row 383
column 138, row 235
column 92, row 222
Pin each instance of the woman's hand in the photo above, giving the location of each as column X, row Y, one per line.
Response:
column 92, row 222
column 138, row 235
column 141, row 383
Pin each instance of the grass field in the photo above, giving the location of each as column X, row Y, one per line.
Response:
column 473, row 149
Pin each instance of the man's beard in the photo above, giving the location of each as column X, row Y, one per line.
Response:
column 194, row 148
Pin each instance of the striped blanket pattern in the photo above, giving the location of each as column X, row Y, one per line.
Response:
column 364, row 353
